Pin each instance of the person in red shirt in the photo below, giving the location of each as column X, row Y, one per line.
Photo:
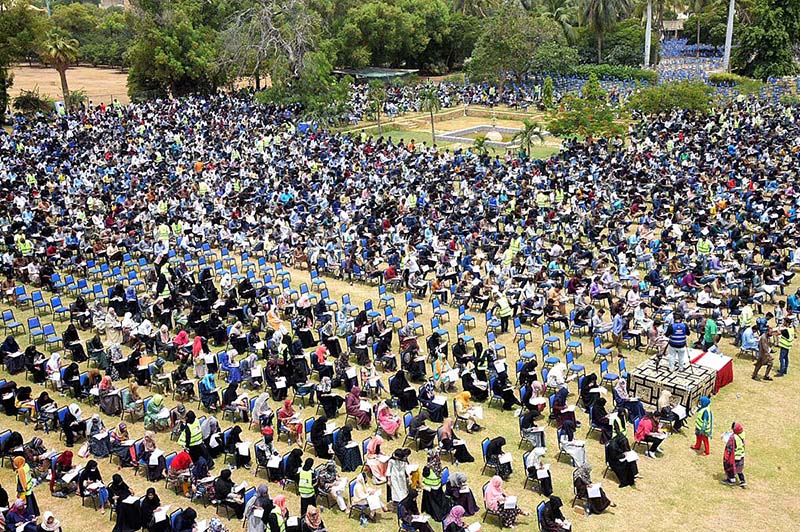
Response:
column 648, row 432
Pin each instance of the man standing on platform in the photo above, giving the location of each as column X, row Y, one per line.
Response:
column 677, row 332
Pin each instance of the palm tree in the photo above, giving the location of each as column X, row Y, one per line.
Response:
column 698, row 6
column 377, row 97
column 478, row 8
column 60, row 52
column 563, row 12
column 429, row 102
column 480, row 146
column 531, row 131
column 600, row 16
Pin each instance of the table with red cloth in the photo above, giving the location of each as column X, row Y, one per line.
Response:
column 722, row 364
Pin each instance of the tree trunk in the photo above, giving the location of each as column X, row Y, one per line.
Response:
column 599, row 48
column 258, row 81
column 380, row 127
column 62, row 73
column 433, row 131
column 697, row 43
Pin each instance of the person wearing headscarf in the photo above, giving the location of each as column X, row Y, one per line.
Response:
column 262, row 411
column 626, row 401
column 212, row 437
column 422, row 433
column 503, row 388
column 179, row 471
column 329, row 481
column 397, row 474
column 460, row 493
column 19, row 518
column 493, row 453
column 113, row 327
column 322, row 441
column 49, row 523
column 561, row 411
column 278, row 515
column 376, row 460
column 346, row 450
column 581, row 480
column 703, row 425
column 150, row 504
column 330, row 401
column 110, row 401
column 312, row 522
column 451, row 442
column 464, row 410
column 361, row 495
column 152, row 415
column 615, row 458
column 434, row 501
column 118, row 491
column 24, row 477
column 494, row 498
column 353, row 408
column 601, row 419
column 261, row 501
column 576, row 449
column 53, row 369
column 61, row 466
column 287, row 418
column 400, row 389
column 148, row 447
column 733, row 456
column 73, row 424
column 235, row 438
column 223, row 491
column 99, row 438
column 90, row 482
column 553, row 519
column 408, row 511
column 235, row 402
column 665, row 406
column 208, row 392
column 8, row 347
column 186, row 521
column 388, row 420
column 72, row 341
column 454, row 521
column 588, row 396
column 534, row 465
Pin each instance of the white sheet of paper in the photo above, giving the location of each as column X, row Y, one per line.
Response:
column 474, row 527
column 505, row 458
column 365, row 406
column 292, row 521
column 243, row 448
column 154, row 456
column 593, row 490
column 440, row 400
column 510, row 502
column 543, row 472
column 255, row 372
column 280, row 383
column 631, row 456
column 477, row 411
column 274, row 462
column 680, row 411
column 374, row 501
column 350, row 372
column 258, row 513
column 209, row 358
column 500, row 366
column 130, row 500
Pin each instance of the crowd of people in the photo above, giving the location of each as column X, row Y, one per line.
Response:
column 186, row 212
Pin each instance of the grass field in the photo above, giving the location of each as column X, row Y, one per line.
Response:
column 99, row 84
column 679, row 492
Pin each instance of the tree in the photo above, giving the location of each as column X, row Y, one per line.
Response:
column 547, row 92
column 588, row 114
column 60, row 52
column 531, row 131
column 480, row 146
column 376, row 97
column 429, row 102
column 698, row 6
column 600, row 16
column 271, row 35
column 511, row 41
column 692, row 96
column 477, row 8
column 563, row 12
column 765, row 46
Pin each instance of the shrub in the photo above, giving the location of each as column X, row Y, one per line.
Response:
column 740, row 84
column 32, row 102
column 685, row 95
column 791, row 100
column 589, row 115
column 617, row 72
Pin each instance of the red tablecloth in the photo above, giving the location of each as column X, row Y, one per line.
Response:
column 722, row 364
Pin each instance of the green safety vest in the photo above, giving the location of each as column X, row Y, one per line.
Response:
column 504, row 307
column 704, row 246
column 746, row 317
column 26, row 470
column 703, row 423
column 559, row 196
column 431, row 481
column 739, row 452
column 25, row 247
column 306, row 485
column 279, row 517
column 195, row 434
column 786, row 343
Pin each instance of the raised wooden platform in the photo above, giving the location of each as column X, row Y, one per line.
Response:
column 687, row 386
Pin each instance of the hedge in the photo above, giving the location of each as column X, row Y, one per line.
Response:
column 617, row 72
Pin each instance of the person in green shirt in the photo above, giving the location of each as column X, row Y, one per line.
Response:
column 711, row 332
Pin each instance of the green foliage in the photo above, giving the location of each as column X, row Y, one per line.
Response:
column 547, row 92
column 174, row 48
column 686, row 95
column 22, row 31
column 32, row 102
column 617, row 72
column 790, row 100
column 480, row 146
column 765, row 47
column 531, row 131
column 514, row 42
column 622, row 45
column 76, row 98
column 588, row 115
column 600, row 17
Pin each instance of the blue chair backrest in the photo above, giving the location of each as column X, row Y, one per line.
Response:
column 484, row 447
column 407, row 417
column 308, row 424
column 604, row 367
column 173, row 518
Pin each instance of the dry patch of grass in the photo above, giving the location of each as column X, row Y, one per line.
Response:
column 99, row 84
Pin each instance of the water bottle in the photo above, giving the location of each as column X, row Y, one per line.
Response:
column 363, row 520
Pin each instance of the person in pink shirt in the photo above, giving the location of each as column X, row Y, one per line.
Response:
column 648, row 432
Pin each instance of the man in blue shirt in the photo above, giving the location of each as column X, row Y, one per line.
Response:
column 677, row 333
column 617, row 327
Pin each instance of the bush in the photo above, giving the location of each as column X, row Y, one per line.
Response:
column 76, row 98
column 589, row 115
column 685, row 95
column 741, row 84
column 32, row 102
column 617, row 72
column 790, row 100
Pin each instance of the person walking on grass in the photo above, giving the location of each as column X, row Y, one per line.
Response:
column 703, row 425
column 733, row 457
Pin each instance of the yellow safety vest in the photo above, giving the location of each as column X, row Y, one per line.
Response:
column 431, row 481
column 704, row 246
column 739, row 452
column 703, row 424
column 505, row 307
column 786, row 343
column 279, row 517
column 746, row 317
column 26, row 470
column 306, row 485
column 195, row 434
column 25, row 247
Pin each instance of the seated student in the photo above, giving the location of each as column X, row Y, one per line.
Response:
column 561, row 411
column 312, row 522
column 330, row 402
column 648, row 432
column 329, row 481
column 451, row 442
column 208, row 392
column 454, row 522
column 287, row 417
column 90, row 482
column 235, row 438
column 465, row 410
column 495, row 498
column 504, row 389
column 409, row 514
column 588, row 397
column 626, row 471
column 346, row 450
column 535, row 467
column 581, row 480
column 417, row 429
column 376, row 460
column 460, row 493
column 62, row 466
column 266, row 451
column 293, row 464
column 186, row 522
column 400, row 389
column 323, row 442
column 626, row 401
column 600, row 418
column 49, row 523
column 553, row 519
column 361, row 495
column 73, row 424
column 576, row 449
column 118, row 491
column 493, row 453
column 19, row 518
column 223, row 491
column 152, row 416
column 353, row 408
column 666, row 404
column 388, row 420
column 180, row 472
